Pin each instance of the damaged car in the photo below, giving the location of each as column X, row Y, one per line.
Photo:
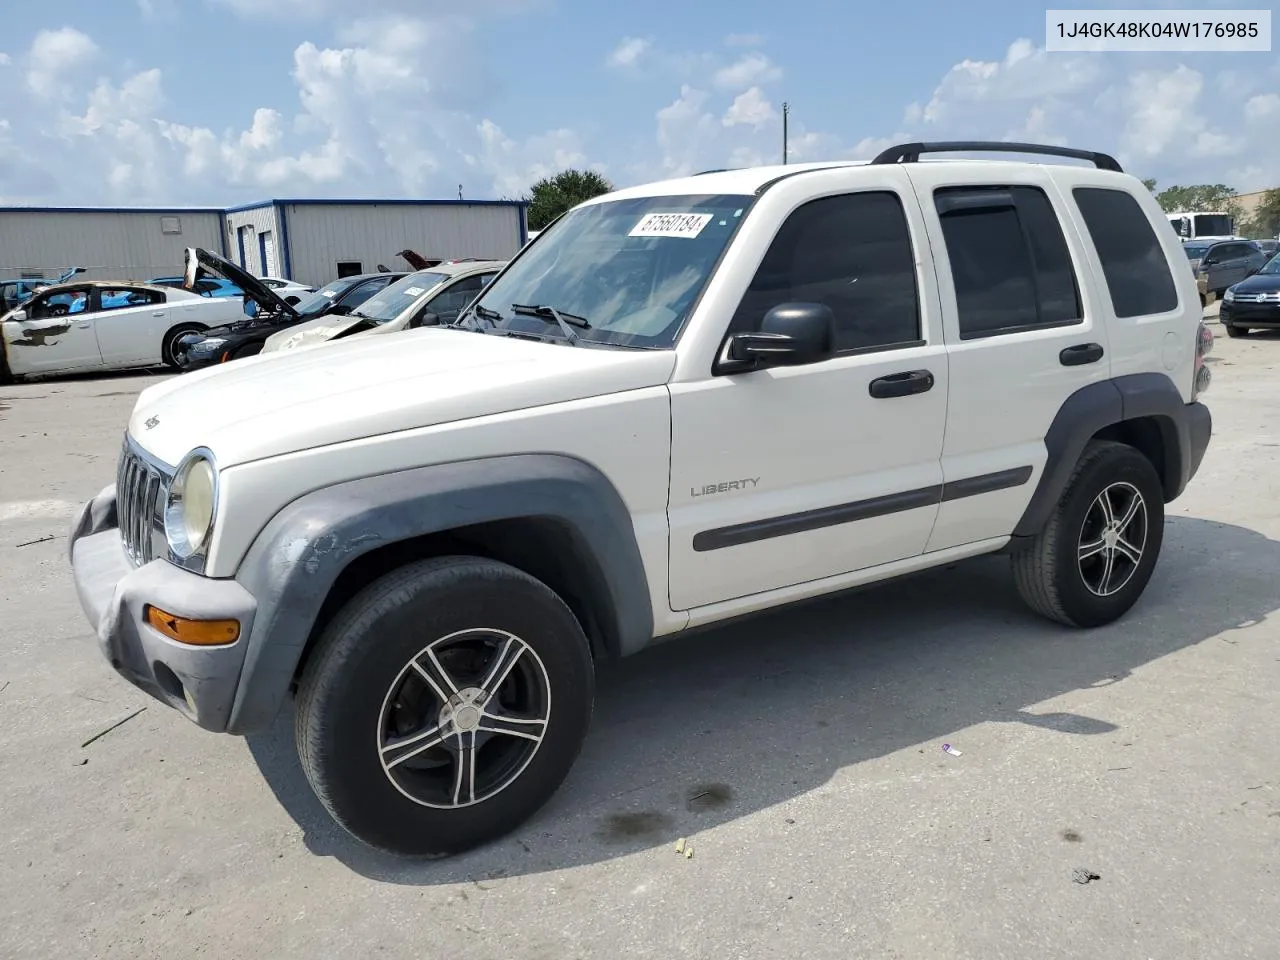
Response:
column 103, row 325
column 422, row 299
column 271, row 313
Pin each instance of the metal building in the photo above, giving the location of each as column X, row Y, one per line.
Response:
column 313, row 241
column 109, row 242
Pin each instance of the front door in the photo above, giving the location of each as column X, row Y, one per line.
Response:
column 56, row 335
column 787, row 475
column 131, row 324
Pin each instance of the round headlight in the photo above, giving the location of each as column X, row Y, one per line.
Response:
column 193, row 496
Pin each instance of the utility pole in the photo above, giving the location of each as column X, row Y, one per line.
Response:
column 786, row 109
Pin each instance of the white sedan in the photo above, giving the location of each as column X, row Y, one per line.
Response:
column 104, row 325
column 284, row 289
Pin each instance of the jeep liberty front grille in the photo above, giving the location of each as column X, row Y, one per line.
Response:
column 141, row 487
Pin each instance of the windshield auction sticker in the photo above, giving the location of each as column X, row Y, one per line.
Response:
column 684, row 225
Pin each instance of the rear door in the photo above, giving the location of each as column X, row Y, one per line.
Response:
column 131, row 323
column 55, row 336
column 1021, row 336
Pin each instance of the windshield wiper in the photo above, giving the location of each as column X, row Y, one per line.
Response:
column 484, row 313
column 566, row 321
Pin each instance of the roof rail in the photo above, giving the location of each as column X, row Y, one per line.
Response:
column 703, row 173
column 910, row 152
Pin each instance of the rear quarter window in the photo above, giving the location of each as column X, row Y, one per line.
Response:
column 1133, row 262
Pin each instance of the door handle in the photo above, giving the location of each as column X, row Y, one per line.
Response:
column 1080, row 354
column 83, row 326
column 901, row 384
column 158, row 313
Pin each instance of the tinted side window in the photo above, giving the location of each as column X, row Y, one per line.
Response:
column 1009, row 260
column 852, row 253
column 1135, row 267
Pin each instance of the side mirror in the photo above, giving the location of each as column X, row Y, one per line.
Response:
column 19, row 316
column 424, row 320
column 791, row 334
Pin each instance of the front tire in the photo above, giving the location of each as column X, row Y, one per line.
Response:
column 168, row 346
column 1233, row 331
column 444, row 705
column 1096, row 554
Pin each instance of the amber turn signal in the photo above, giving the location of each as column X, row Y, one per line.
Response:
column 196, row 633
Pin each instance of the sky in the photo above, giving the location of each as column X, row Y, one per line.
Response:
column 219, row 102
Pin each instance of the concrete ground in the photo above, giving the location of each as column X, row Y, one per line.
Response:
column 800, row 752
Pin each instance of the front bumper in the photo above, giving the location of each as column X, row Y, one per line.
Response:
column 1258, row 316
column 200, row 682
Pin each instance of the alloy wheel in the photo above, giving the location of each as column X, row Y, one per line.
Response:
column 1112, row 539
column 464, row 718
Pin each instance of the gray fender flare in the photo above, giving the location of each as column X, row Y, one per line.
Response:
column 297, row 557
column 1184, row 429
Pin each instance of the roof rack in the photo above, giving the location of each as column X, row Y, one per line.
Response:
column 910, row 152
column 703, row 173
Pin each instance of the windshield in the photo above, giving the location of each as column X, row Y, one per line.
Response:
column 1213, row 225
column 1272, row 268
column 1194, row 251
column 399, row 296
column 319, row 301
column 630, row 268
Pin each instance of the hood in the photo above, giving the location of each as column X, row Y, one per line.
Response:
column 1258, row 283
column 273, row 404
column 200, row 261
column 417, row 260
column 312, row 333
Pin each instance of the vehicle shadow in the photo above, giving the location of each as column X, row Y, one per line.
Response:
column 729, row 722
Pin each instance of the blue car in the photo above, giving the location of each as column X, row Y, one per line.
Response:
column 205, row 286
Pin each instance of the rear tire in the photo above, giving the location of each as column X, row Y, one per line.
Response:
column 170, row 341
column 1095, row 556
column 420, row 657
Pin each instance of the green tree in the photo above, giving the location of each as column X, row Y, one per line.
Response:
column 1150, row 184
column 1265, row 222
column 552, row 196
column 1200, row 198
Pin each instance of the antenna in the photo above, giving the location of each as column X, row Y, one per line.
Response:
column 786, row 110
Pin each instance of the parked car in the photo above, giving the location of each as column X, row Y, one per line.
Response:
column 205, row 286
column 1221, row 264
column 103, row 325
column 1269, row 247
column 290, row 291
column 274, row 314
column 425, row 298
column 1253, row 304
column 686, row 402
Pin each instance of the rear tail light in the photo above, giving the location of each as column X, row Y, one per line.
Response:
column 1204, row 346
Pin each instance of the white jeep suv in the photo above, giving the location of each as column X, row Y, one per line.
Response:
column 681, row 403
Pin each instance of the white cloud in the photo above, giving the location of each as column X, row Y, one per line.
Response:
column 629, row 52
column 1263, row 107
column 752, row 69
column 5, row 60
column 55, row 56
column 750, row 108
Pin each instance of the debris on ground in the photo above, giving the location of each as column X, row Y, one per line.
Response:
column 684, row 847
column 948, row 748
column 27, row 543
column 118, row 723
column 1082, row 875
